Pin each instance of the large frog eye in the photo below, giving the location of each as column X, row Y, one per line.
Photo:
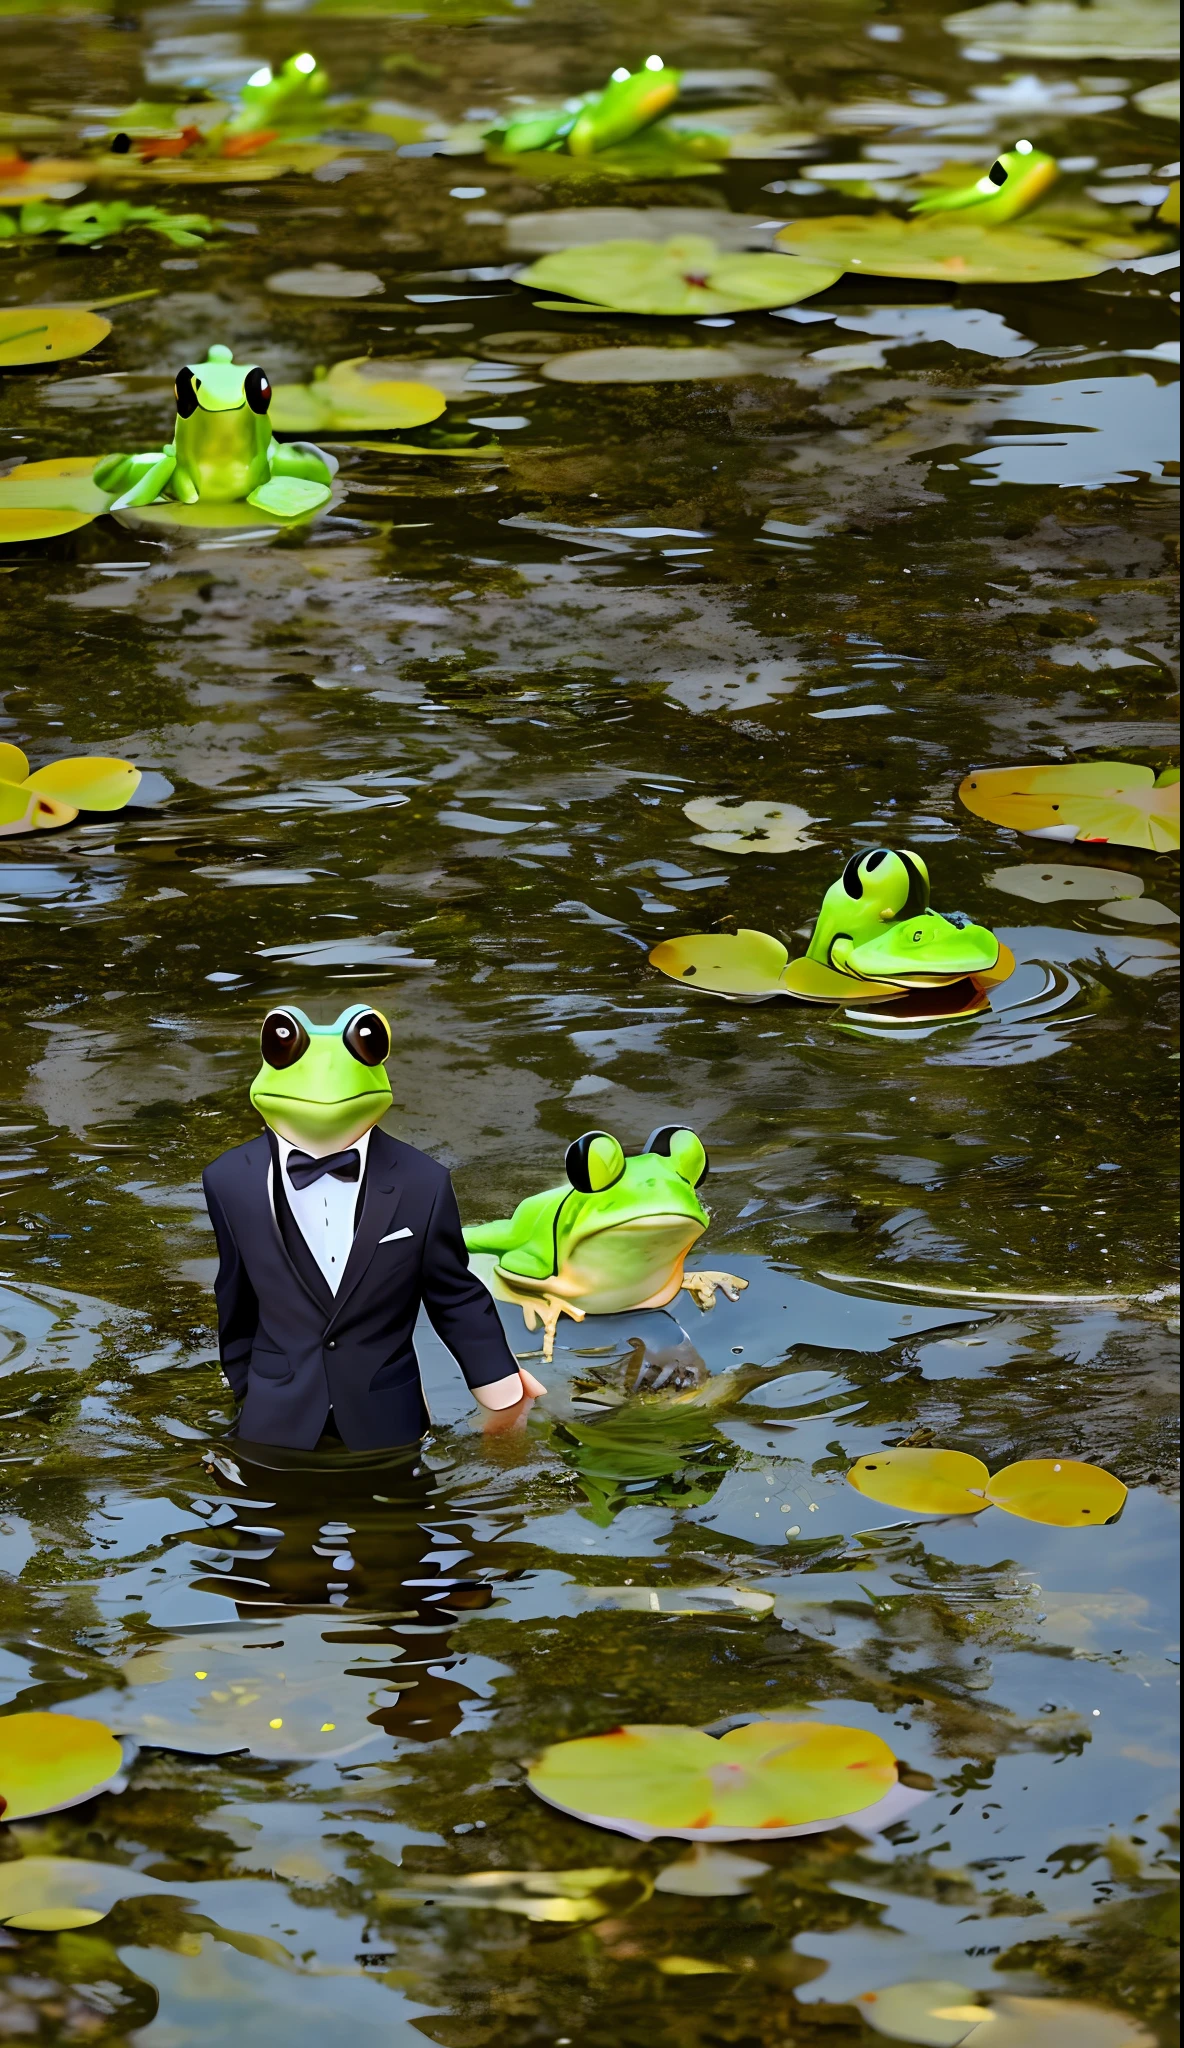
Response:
column 594, row 1162
column 917, row 899
column 283, row 1039
column 998, row 173
column 185, row 389
column 368, row 1037
column 683, row 1149
column 257, row 390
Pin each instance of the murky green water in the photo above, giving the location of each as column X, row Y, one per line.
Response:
column 435, row 752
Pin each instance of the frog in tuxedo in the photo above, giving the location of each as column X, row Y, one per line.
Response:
column 331, row 1234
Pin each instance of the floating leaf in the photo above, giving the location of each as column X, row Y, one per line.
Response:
column 688, row 275
column 1104, row 801
column 344, row 398
column 1056, row 2023
column 1143, row 910
column 753, row 827
column 48, row 1894
column 692, row 1966
column 575, row 227
column 745, row 965
column 45, row 334
column 41, row 499
column 1061, row 28
column 767, row 1779
column 917, row 2012
column 1058, row 1491
column 48, row 1761
column 324, row 281
column 1162, row 102
column 287, row 508
column 952, row 250
column 922, row 1482
column 95, row 220
column 565, row 1898
column 647, row 365
column 90, row 782
column 1038, row 884
column 812, row 981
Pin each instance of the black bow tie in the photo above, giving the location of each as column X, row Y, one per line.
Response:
column 304, row 1171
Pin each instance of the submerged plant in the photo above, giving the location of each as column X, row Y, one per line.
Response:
column 95, row 220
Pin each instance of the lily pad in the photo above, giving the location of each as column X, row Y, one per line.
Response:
column 767, row 1779
column 1038, row 884
column 297, row 1688
column 576, row 227
column 753, row 827
column 1102, row 801
column 324, row 281
column 950, row 250
column 1056, row 2023
column 921, row 2012
column 1162, row 102
column 1061, row 28
column 922, row 1482
column 48, row 1894
column 41, row 499
column 46, row 334
column 563, row 1898
column 746, row 966
column 344, row 399
column 686, row 276
column 647, row 365
column 50, row 1761
column 812, row 981
column 1057, row 1491
column 57, row 792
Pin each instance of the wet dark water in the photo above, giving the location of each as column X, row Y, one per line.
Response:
column 434, row 752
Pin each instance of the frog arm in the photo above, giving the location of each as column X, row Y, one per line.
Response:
column 126, row 472
column 525, row 1243
column 701, row 1287
column 488, row 1237
column 302, row 459
column 151, row 474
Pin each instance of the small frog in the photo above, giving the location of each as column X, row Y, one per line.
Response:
column 323, row 1084
column 1015, row 181
column 596, row 120
column 222, row 450
column 283, row 99
column 613, row 1238
column 876, row 924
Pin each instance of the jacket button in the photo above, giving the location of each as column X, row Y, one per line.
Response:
column 332, row 1344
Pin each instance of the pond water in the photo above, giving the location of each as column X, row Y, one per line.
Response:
column 433, row 751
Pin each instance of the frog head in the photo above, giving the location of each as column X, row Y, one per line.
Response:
column 272, row 98
column 1016, row 180
column 222, row 432
column 873, row 890
column 322, row 1085
column 629, row 102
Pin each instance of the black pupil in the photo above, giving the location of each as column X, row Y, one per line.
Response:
column 997, row 174
column 257, row 390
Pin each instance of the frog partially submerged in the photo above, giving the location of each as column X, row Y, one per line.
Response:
column 595, row 120
column 222, row 451
column 1016, row 180
column 875, row 923
column 614, row 1237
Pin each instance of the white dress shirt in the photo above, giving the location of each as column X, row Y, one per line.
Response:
column 324, row 1212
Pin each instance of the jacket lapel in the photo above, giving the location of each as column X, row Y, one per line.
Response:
column 262, row 1165
column 380, row 1203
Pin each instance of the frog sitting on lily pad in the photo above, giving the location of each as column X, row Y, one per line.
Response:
column 614, row 1237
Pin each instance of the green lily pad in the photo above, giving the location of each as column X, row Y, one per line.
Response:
column 767, row 1779
column 643, row 364
column 1060, row 28
column 656, row 154
column 41, row 499
column 1060, row 1492
column 813, row 981
column 50, row 1761
column 572, row 227
column 687, row 275
column 46, row 334
column 753, row 827
column 1036, row 883
column 345, row 399
column 949, row 250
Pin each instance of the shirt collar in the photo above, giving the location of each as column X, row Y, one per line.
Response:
column 360, row 1146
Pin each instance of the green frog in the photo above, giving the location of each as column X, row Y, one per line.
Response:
column 875, row 923
column 1015, row 181
column 321, row 1086
column 222, row 450
column 613, row 1237
column 596, row 120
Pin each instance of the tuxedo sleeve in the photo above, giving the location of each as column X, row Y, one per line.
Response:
column 238, row 1308
column 460, row 1307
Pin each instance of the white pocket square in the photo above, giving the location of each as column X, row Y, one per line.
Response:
column 395, row 1235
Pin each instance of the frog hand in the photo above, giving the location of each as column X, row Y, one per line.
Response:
column 302, row 459
column 547, row 1309
column 701, row 1287
column 143, row 477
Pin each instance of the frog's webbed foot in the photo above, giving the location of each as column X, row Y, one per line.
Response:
column 701, row 1287
column 290, row 497
column 146, row 476
column 547, row 1309
column 302, row 459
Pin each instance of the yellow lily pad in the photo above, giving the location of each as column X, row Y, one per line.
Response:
column 767, row 1779
column 50, row 1894
column 920, row 2012
column 46, row 334
column 812, row 981
column 14, row 765
column 1062, row 29
column 89, row 782
column 753, row 827
column 745, row 966
column 1057, row 1491
column 41, row 499
column 951, row 250
column 23, row 810
column 686, row 276
column 48, row 1761
column 344, row 398
column 1035, row 883
column 1103, row 801
column 922, row 1482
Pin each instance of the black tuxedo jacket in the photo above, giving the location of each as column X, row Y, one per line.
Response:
column 292, row 1350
